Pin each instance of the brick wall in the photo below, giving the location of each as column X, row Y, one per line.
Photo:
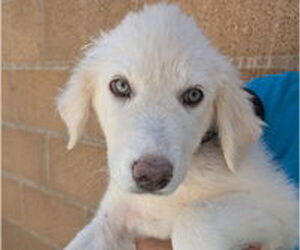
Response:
column 50, row 193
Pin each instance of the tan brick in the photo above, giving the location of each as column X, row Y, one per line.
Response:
column 80, row 173
column 16, row 238
column 150, row 244
column 22, row 31
column 247, row 28
column 29, row 99
column 238, row 28
column 93, row 129
column 33, row 94
column 71, row 24
column 51, row 217
column 11, row 199
column 23, row 153
column 64, row 29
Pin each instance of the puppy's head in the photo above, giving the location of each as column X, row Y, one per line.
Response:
column 157, row 86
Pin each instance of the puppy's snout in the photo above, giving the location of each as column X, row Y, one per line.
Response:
column 152, row 173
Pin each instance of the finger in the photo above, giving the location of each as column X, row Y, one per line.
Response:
column 254, row 247
column 150, row 244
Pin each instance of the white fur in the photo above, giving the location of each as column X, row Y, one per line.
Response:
column 222, row 195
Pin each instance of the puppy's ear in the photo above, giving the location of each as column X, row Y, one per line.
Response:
column 238, row 126
column 74, row 102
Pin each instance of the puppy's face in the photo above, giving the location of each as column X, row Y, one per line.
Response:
column 157, row 87
column 154, row 116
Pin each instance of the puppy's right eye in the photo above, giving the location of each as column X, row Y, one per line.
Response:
column 192, row 96
column 120, row 88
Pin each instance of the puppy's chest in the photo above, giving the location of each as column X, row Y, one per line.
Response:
column 151, row 218
column 155, row 216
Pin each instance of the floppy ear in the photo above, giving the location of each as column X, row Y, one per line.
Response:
column 238, row 126
column 74, row 103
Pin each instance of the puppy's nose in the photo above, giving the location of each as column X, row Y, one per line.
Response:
column 152, row 173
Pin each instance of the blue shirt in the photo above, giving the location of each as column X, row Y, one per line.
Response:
column 280, row 97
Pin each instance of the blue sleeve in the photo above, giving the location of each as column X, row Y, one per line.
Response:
column 280, row 97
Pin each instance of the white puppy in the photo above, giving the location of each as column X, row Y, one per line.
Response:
column 158, row 86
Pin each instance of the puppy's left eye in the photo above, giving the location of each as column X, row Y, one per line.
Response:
column 192, row 96
column 120, row 88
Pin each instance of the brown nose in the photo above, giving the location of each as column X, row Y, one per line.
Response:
column 152, row 173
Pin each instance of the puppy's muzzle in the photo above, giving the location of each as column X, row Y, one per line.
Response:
column 152, row 173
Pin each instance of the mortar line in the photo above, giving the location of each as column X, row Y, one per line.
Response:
column 86, row 139
column 36, row 67
column 265, row 62
column 22, row 207
column 46, row 165
column 42, row 20
column 242, row 63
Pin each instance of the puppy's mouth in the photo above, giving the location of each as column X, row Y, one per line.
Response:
column 140, row 191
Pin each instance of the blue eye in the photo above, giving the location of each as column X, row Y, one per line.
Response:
column 192, row 97
column 120, row 88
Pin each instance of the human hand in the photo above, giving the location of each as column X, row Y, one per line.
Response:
column 153, row 244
